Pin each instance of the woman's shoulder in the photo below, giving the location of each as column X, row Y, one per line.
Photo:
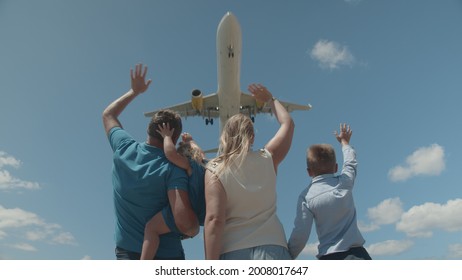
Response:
column 261, row 153
column 211, row 165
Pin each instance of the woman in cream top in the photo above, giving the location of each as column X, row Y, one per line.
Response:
column 240, row 189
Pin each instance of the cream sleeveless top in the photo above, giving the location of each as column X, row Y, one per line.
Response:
column 251, row 218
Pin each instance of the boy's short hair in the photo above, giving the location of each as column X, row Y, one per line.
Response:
column 320, row 159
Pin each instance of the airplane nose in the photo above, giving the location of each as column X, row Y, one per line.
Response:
column 229, row 20
column 229, row 15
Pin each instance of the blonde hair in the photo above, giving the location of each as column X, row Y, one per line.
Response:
column 191, row 151
column 321, row 159
column 235, row 142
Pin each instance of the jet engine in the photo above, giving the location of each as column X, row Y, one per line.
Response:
column 197, row 100
column 259, row 105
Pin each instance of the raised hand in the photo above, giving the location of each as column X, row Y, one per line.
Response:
column 260, row 93
column 345, row 134
column 138, row 83
column 165, row 131
column 186, row 137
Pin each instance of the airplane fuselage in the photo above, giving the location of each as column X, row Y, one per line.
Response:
column 228, row 100
column 229, row 45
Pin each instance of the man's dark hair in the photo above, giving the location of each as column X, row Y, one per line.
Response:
column 168, row 117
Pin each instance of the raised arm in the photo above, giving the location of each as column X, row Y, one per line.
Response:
column 170, row 150
column 345, row 134
column 280, row 144
column 187, row 138
column 138, row 86
column 349, row 155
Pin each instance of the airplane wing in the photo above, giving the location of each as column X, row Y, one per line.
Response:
column 293, row 107
column 249, row 106
column 209, row 108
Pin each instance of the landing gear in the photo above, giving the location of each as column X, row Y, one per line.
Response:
column 207, row 121
column 250, row 112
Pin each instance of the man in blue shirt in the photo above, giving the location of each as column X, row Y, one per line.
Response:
column 328, row 201
column 144, row 181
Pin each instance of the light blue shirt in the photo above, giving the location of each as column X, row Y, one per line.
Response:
column 328, row 201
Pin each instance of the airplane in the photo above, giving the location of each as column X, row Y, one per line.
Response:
column 228, row 100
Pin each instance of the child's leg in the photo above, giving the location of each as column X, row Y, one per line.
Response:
column 155, row 227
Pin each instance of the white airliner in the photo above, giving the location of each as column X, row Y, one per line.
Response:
column 228, row 100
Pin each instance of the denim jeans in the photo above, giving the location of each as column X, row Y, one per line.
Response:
column 122, row 254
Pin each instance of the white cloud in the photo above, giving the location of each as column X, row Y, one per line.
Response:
column 31, row 227
column 455, row 251
column 24, row 247
column 7, row 181
column 86, row 257
column 331, row 55
column 50, row 232
column 387, row 212
column 16, row 217
column 389, row 247
column 18, row 225
column 311, row 249
column 424, row 161
column 421, row 220
column 36, row 235
column 8, row 160
column 363, row 227
column 64, row 238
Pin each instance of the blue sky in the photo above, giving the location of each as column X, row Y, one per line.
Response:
column 392, row 69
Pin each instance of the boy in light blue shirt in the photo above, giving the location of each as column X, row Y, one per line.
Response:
column 328, row 201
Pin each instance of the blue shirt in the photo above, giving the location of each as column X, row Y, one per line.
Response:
column 141, row 178
column 196, row 193
column 328, row 201
column 196, row 190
